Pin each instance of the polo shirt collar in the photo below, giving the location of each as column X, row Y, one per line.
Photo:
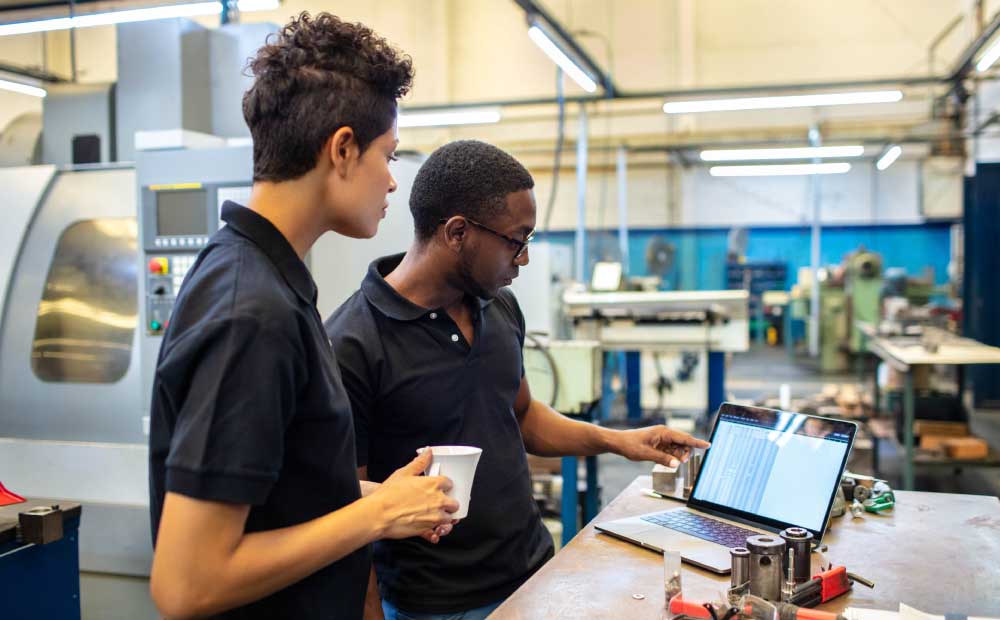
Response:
column 269, row 239
column 389, row 302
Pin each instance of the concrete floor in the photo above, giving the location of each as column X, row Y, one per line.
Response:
column 758, row 373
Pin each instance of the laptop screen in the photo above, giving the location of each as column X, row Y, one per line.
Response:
column 775, row 467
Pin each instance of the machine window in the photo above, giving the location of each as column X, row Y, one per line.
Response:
column 88, row 312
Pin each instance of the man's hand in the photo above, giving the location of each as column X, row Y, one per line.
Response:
column 658, row 444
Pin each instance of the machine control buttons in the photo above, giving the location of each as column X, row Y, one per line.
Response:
column 155, row 326
column 180, row 242
column 159, row 265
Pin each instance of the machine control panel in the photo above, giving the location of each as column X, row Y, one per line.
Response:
column 164, row 276
column 178, row 221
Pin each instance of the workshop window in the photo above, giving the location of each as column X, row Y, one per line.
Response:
column 88, row 313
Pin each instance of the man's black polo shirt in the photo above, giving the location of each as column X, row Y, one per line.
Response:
column 248, row 406
column 414, row 381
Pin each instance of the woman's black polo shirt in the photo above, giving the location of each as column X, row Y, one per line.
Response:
column 248, row 406
column 414, row 381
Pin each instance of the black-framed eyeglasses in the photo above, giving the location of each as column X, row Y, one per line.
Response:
column 521, row 246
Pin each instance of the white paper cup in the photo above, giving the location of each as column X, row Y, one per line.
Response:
column 459, row 464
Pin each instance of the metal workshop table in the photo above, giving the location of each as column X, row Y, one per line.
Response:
column 954, row 351
column 935, row 551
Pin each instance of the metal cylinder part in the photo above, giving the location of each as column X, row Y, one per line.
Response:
column 693, row 466
column 847, row 485
column 799, row 540
column 740, row 575
column 766, row 553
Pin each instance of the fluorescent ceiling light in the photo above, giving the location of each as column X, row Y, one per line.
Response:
column 249, row 6
column 890, row 156
column 141, row 15
column 989, row 57
column 41, row 25
column 24, row 89
column 807, row 152
column 775, row 170
column 194, row 9
column 787, row 101
column 456, row 116
column 559, row 57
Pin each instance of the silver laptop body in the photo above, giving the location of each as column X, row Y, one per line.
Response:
column 765, row 471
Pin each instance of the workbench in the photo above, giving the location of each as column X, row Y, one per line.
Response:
column 903, row 354
column 935, row 551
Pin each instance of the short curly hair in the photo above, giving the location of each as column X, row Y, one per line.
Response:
column 466, row 177
column 314, row 76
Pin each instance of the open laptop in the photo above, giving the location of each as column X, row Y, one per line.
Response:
column 766, row 470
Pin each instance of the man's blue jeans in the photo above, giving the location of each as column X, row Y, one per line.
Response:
column 479, row 613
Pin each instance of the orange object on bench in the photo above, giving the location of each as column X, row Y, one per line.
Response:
column 9, row 497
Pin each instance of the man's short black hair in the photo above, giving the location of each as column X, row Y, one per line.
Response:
column 466, row 177
column 316, row 75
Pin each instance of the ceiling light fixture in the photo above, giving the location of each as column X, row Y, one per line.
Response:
column 890, row 156
column 780, row 102
column 23, row 89
column 990, row 57
column 194, row 9
column 808, row 152
column 455, row 116
column 547, row 42
column 778, row 170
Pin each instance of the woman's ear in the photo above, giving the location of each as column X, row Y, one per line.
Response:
column 343, row 151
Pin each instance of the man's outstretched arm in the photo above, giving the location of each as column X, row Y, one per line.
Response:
column 546, row 432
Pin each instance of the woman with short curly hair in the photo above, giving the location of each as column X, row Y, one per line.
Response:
column 256, row 507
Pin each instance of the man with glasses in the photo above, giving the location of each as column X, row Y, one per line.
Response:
column 430, row 350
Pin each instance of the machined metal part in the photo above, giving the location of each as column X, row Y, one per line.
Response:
column 857, row 509
column 766, row 553
column 788, row 585
column 740, row 574
column 693, row 466
column 848, row 484
column 861, row 492
column 868, row 583
column 799, row 540
column 839, row 504
column 671, row 575
column 41, row 525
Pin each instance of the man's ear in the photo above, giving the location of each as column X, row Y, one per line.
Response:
column 455, row 231
column 342, row 149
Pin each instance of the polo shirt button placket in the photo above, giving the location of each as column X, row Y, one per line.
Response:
column 434, row 315
column 454, row 337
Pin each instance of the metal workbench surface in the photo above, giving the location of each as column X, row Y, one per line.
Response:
column 935, row 551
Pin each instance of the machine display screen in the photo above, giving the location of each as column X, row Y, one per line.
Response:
column 181, row 213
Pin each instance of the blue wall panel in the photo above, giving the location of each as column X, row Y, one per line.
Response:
column 701, row 252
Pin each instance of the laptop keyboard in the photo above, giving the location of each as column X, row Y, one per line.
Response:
column 702, row 527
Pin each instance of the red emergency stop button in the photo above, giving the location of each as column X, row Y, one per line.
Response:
column 158, row 265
